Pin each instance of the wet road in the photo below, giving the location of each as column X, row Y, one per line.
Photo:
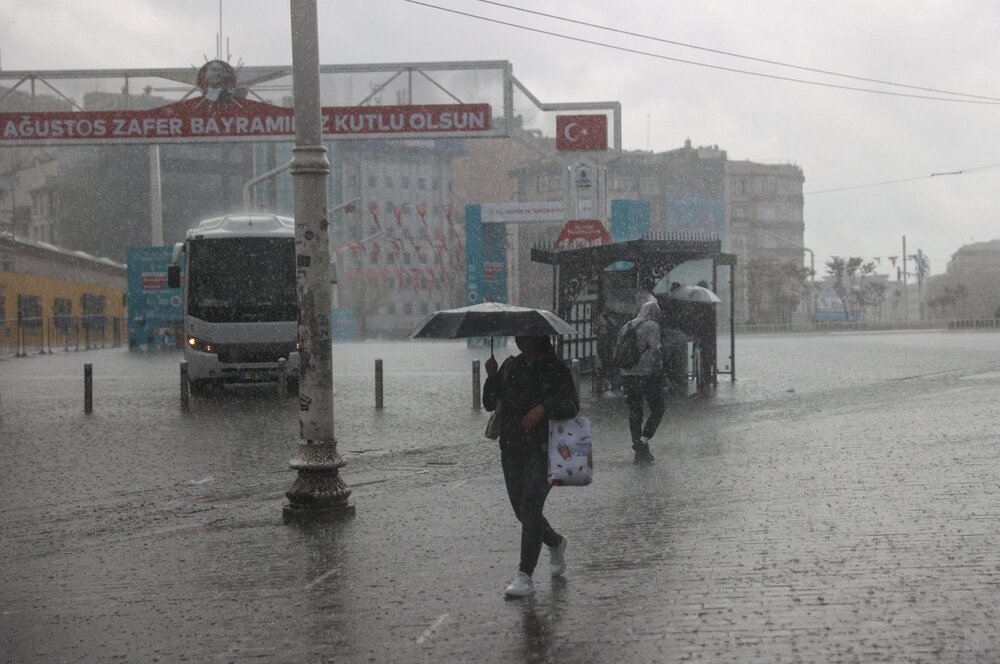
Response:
column 838, row 503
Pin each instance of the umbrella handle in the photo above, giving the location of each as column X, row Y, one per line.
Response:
column 491, row 347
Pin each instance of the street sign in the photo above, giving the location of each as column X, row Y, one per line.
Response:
column 582, row 233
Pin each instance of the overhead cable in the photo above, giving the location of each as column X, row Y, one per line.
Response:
column 963, row 171
column 734, row 55
column 703, row 64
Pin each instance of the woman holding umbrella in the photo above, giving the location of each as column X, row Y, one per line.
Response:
column 530, row 388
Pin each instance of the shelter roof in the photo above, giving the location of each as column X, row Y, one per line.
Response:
column 669, row 250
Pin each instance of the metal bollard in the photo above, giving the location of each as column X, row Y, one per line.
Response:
column 282, row 378
column 185, row 396
column 476, row 401
column 88, row 388
column 378, row 384
column 575, row 370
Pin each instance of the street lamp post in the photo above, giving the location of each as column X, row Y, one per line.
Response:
column 318, row 493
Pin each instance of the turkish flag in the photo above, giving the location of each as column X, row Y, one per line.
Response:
column 581, row 132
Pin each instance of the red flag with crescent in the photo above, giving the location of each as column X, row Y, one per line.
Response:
column 581, row 132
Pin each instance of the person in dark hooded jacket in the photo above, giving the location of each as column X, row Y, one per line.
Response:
column 644, row 381
column 530, row 388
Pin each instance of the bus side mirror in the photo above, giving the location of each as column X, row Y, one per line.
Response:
column 174, row 276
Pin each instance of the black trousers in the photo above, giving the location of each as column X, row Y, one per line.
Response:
column 526, row 477
column 638, row 389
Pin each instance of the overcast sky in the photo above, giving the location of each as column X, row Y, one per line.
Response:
column 840, row 138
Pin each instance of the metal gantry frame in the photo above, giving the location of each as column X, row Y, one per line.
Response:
column 253, row 82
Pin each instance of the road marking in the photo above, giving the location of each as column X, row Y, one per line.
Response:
column 430, row 630
column 321, row 577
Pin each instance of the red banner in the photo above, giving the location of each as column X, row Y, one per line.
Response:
column 199, row 119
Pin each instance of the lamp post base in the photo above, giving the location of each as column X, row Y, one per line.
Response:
column 317, row 493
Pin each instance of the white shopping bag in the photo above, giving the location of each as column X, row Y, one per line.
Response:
column 570, row 452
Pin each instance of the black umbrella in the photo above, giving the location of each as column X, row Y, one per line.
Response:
column 491, row 319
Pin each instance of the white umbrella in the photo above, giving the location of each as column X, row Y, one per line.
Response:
column 694, row 294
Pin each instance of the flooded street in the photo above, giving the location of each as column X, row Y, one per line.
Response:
column 838, row 502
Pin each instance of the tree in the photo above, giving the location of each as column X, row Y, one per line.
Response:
column 778, row 285
column 837, row 268
column 951, row 302
column 849, row 284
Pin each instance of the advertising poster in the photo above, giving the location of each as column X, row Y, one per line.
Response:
column 155, row 312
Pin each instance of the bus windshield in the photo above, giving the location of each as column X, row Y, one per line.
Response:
column 237, row 280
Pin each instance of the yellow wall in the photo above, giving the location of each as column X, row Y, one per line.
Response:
column 13, row 284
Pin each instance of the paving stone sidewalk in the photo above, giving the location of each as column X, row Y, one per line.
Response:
column 857, row 523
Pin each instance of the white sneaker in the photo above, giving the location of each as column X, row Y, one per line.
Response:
column 557, row 558
column 521, row 586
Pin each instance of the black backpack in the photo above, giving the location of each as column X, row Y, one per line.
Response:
column 627, row 351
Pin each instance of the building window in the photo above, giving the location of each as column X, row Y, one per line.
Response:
column 407, row 308
column 29, row 311
column 425, row 308
column 62, row 313
column 388, row 182
column 372, row 181
column 404, row 182
column 422, row 184
column 435, row 184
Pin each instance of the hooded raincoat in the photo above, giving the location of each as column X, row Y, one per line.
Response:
column 647, row 326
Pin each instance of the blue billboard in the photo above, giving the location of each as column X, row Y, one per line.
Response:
column 485, row 261
column 629, row 221
column 696, row 213
column 155, row 311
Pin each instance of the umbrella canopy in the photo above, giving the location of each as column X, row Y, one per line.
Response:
column 694, row 294
column 491, row 319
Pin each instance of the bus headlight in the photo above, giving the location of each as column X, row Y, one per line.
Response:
column 200, row 345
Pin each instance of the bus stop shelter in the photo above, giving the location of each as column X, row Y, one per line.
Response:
column 583, row 277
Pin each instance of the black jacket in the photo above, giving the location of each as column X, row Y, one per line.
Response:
column 522, row 385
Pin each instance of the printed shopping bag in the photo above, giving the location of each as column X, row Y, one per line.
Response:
column 570, row 452
column 493, row 424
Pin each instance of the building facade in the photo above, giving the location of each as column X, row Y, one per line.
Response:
column 400, row 252
column 755, row 209
column 765, row 228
